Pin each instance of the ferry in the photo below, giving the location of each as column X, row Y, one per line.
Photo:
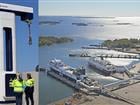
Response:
column 75, row 77
column 105, row 66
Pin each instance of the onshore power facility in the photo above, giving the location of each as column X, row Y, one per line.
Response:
column 8, row 13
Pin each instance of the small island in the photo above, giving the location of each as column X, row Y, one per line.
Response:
column 123, row 23
column 125, row 45
column 50, row 40
column 121, row 43
column 80, row 24
column 49, row 22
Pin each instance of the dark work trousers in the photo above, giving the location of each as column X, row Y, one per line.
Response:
column 18, row 98
column 29, row 95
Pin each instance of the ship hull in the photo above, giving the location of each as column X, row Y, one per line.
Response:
column 63, row 79
column 100, row 68
column 76, row 79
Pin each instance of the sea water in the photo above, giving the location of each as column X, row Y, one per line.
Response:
column 94, row 32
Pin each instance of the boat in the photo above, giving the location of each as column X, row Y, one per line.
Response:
column 84, row 54
column 105, row 66
column 75, row 77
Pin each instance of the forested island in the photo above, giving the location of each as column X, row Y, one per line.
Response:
column 124, row 23
column 50, row 40
column 49, row 22
column 121, row 43
column 80, row 24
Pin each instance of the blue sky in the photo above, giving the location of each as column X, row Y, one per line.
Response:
column 89, row 7
column 27, row 56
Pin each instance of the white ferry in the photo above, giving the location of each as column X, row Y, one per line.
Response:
column 75, row 77
column 105, row 66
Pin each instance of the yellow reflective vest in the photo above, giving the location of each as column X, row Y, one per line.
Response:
column 30, row 82
column 17, row 85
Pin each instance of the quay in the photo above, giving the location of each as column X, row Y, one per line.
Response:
column 122, row 83
column 107, row 91
column 127, row 94
column 94, row 47
column 124, row 56
column 119, row 56
column 76, row 86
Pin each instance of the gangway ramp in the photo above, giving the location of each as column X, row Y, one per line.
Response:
column 122, row 83
column 127, row 72
column 109, row 88
column 111, row 94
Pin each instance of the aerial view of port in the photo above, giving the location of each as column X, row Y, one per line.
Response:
column 89, row 52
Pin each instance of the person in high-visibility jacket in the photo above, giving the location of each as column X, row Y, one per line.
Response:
column 18, row 88
column 29, row 90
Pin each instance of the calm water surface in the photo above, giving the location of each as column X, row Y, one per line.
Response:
column 95, row 32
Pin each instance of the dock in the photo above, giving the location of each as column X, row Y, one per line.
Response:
column 94, row 47
column 74, row 85
column 127, row 94
column 124, row 56
column 127, row 56
column 122, row 83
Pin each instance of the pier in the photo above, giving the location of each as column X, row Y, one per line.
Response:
column 119, row 56
column 95, row 47
column 74, row 85
column 109, row 87
column 122, row 83
column 124, row 56
column 108, row 96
